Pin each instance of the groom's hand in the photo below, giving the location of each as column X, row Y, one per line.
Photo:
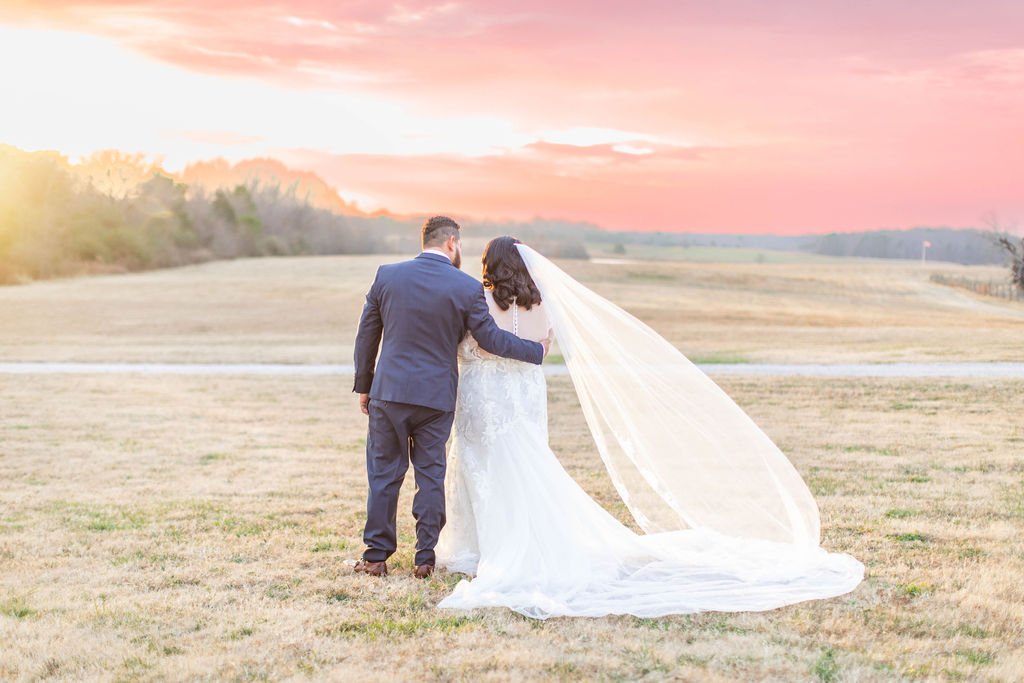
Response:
column 364, row 403
column 546, row 341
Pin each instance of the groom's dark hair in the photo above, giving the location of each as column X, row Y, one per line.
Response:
column 437, row 229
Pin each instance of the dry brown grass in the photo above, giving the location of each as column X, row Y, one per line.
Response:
column 197, row 527
column 304, row 310
column 191, row 527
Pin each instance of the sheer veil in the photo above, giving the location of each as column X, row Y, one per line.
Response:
column 681, row 453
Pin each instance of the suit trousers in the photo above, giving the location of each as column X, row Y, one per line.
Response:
column 400, row 433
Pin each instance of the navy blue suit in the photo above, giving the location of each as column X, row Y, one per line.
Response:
column 416, row 314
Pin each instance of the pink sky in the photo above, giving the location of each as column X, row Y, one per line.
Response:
column 751, row 116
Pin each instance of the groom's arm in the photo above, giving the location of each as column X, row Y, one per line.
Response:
column 371, row 327
column 493, row 339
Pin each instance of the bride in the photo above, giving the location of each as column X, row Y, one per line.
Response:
column 729, row 525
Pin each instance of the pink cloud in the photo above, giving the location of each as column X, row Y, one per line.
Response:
column 810, row 115
column 653, row 193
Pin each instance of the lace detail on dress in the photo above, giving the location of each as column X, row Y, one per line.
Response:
column 494, row 393
column 496, row 396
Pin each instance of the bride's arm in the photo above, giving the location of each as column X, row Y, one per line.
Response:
column 473, row 347
column 480, row 353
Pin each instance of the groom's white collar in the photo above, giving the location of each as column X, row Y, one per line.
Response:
column 437, row 251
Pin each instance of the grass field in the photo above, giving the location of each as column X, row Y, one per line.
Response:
column 302, row 310
column 198, row 527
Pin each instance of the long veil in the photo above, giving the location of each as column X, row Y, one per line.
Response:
column 681, row 453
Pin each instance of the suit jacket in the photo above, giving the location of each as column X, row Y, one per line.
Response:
column 422, row 308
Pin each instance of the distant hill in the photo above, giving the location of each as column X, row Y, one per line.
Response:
column 308, row 186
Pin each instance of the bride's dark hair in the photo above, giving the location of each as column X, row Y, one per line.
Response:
column 505, row 274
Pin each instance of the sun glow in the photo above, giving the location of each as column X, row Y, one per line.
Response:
column 79, row 93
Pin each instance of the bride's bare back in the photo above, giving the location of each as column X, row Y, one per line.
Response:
column 532, row 324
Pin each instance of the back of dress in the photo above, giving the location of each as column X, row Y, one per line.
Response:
column 497, row 394
column 501, row 421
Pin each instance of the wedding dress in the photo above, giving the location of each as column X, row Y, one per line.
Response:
column 729, row 524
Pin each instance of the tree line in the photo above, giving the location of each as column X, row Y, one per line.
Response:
column 57, row 220
column 117, row 212
column 965, row 246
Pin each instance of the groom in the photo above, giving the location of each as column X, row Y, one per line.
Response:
column 422, row 308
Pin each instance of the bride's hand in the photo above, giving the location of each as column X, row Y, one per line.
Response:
column 546, row 341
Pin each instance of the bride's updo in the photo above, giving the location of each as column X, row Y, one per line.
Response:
column 505, row 274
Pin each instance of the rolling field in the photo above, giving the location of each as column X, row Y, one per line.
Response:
column 304, row 310
column 173, row 527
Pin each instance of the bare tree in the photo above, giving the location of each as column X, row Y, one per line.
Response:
column 1005, row 238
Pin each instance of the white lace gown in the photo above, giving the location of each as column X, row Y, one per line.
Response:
column 535, row 542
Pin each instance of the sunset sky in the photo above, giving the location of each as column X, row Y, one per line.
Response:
column 732, row 116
